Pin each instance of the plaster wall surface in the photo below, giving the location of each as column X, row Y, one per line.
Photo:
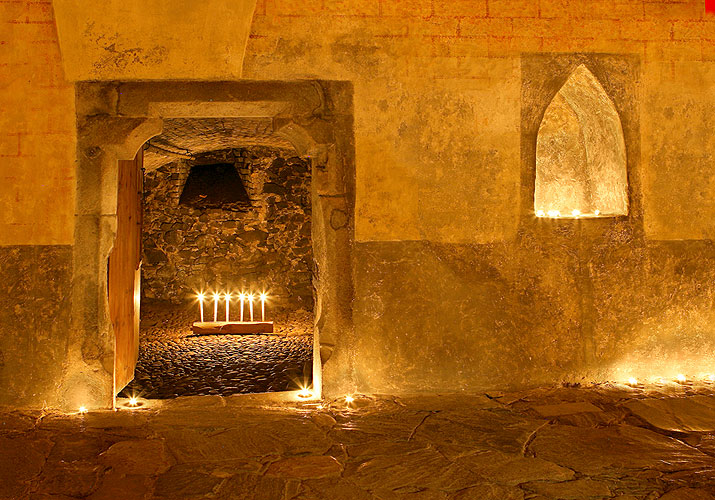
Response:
column 437, row 101
column 440, row 181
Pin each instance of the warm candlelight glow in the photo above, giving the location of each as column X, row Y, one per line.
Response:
column 82, row 409
column 597, row 212
column 201, row 305
column 216, row 297
column 632, row 382
column 554, row 213
column 575, row 212
column 304, row 393
column 540, row 213
column 349, row 399
column 133, row 401
column 250, row 304
column 680, row 378
column 263, row 297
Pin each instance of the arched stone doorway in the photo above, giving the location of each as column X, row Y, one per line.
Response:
column 116, row 119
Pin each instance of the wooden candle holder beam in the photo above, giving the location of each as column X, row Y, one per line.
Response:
column 228, row 327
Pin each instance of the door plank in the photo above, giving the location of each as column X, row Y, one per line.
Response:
column 124, row 272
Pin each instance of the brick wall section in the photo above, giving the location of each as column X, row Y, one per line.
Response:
column 37, row 129
column 665, row 29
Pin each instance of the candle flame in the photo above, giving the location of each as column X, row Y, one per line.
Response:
column 263, row 296
column 349, row 399
column 250, row 297
column 576, row 212
column 554, row 213
column 82, row 409
column 632, row 381
column 133, row 401
column 680, row 377
column 216, row 295
column 200, row 296
column 597, row 212
column 540, row 213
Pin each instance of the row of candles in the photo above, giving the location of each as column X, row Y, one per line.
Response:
column 243, row 297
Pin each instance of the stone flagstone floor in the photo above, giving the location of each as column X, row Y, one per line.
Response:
column 599, row 442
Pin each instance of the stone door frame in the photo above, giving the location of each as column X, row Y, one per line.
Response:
column 115, row 119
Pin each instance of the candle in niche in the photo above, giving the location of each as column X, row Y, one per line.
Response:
column 227, row 296
column 201, row 305
column 241, row 298
column 216, row 297
column 250, row 305
column 263, row 296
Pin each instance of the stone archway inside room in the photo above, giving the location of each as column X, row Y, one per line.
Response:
column 114, row 122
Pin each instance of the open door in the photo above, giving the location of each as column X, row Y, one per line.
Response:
column 124, row 273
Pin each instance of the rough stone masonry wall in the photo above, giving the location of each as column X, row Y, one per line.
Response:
column 267, row 247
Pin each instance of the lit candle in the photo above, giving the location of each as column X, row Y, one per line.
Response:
column 241, row 297
column 227, row 295
column 250, row 304
column 263, row 305
column 215, row 307
column 201, row 305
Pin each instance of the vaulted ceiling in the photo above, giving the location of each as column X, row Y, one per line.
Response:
column 187, row 137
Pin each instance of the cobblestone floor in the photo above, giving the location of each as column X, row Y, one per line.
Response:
column 600, row 442
column 174, row 362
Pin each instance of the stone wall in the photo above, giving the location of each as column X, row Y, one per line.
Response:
column 267, row 246
column 437, row 104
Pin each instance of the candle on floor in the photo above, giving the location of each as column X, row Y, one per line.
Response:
column 250, row 304
column 263, row 305
column 241, row 297
column 216, row 306
column 227, row 295
column 201, row 305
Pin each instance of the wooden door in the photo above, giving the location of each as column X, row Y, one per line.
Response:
column 124, row 273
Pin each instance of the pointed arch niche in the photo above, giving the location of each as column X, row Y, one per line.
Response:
column 581, row 153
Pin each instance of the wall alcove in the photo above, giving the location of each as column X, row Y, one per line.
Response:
column 581, row 153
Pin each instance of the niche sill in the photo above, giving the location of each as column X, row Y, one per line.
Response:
column 553, row 214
